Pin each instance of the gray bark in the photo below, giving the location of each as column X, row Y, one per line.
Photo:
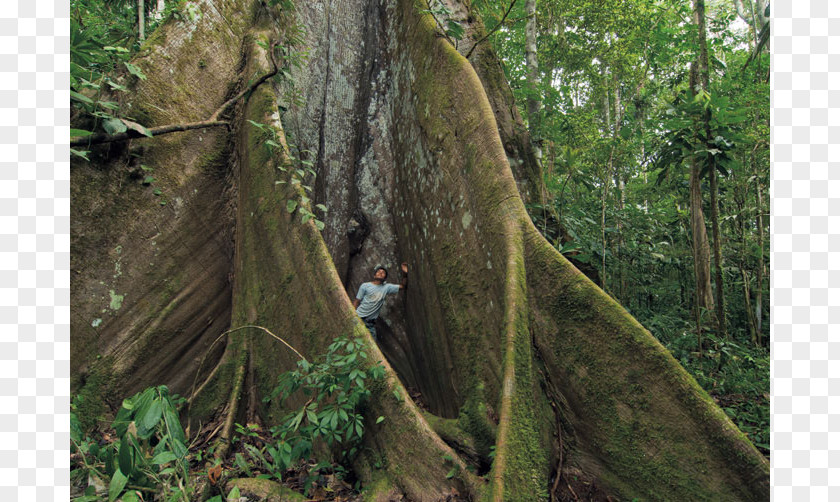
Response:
column 141, row 20
column 534, row 101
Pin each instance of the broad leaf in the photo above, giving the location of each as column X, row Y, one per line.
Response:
column 126, row 456
column 118, row 481
column 80, row 153
column 137, row 127
column 134, row 70
column 79, row 133
column 163, row 458
column 114, row 126
column 75, row 96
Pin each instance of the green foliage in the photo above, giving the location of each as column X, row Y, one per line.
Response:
column 736, row 375
column 443, row 17
column 102, row 42
column 337, row 384
column 682, row 140
column 150, row 452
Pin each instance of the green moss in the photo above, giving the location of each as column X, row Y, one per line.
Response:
column 90, row 401
column 265, row 490
column 473, row 419
column 377, row 488
column 653, row 429
column 206, row 403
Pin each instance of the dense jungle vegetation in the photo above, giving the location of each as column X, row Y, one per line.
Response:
column 650, row 120
column 606, row 88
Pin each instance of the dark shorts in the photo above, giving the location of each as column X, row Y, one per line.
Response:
column 370, row 324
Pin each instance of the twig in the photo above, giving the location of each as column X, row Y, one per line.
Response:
column 442, row 29
column 253, row 86
column 212, row 121
column 570, row 489
column 192, row 396
column 510, row 7
column 201, row 363
column 559, row 462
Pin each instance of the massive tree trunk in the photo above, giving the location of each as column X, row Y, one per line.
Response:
column 501, row 335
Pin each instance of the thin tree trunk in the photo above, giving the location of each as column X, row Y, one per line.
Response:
column 747, row 302
column 606, row 185
column 720, row 310
column 700, row 246
column 748, row 18
column 759, row 293
column 741, row 195
column 604, row 191
column 698, row 222
column 533, row 102
column 619, row 181
column 141, row 27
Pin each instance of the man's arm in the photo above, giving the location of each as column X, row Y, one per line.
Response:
column 359, row 296
column 404, row 281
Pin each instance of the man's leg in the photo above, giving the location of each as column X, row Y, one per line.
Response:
column 371, row 326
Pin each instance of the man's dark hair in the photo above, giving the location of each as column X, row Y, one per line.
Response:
column 380, row 267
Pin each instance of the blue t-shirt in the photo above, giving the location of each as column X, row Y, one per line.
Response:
column 372, row 298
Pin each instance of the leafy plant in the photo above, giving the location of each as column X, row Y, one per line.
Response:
column 150, row 453
column 337, row 384
column 102, row 42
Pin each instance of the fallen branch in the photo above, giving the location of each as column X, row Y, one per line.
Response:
column 212, row 121
column 103, row 137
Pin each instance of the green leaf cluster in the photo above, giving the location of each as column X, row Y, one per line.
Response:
column 337, row 385
column 102, row 43
column 150, row 452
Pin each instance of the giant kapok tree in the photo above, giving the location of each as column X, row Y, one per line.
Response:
column 419, row 156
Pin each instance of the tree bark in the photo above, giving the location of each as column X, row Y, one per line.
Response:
column 759, row 220
column 704, row 302
column 752, row 13
column 741, row 196
column 607, row 178
column 141, row 20
column 498, row 331
column 533, row 102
